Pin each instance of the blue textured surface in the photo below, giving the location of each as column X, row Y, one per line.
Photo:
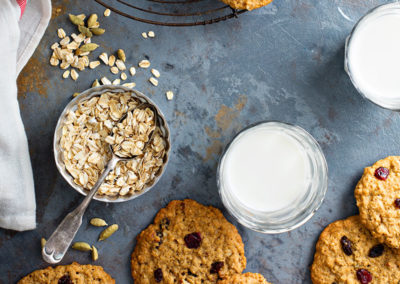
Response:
column 283, row 62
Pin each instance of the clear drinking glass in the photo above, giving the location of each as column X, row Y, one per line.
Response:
column 392, row 103
column 298, row 212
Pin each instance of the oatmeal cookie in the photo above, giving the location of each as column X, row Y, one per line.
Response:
column 187, row 243
column 246, row 278
column 247, row 4
column 346, row 252
column 68, row 274
column 378, row 199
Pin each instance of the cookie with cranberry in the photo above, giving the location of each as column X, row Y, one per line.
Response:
column 346, row 252
column 69, row 274
column 246, row 4
column 378, row 199
column 246, row 278
column 187, row 243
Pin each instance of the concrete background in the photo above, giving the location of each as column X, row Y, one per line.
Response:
column 282, row 62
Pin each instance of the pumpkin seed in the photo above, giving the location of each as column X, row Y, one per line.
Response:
column 97, row 221
column 86, row 31
column 43, row 242
column 107, row 232
column 87, row 48
column 121, row 54
column 82, row 246
column 91, row 22
column 97, row 31
column 76, row 20
column 95, row 253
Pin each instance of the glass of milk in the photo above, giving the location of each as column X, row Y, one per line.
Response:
column 372, row 56
column 272, row 177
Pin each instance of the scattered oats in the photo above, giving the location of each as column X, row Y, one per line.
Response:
column 154, row 81
column 86, row 61
column 104, row 58
column 87, row 40
column 65, row 41
column 79, row 38
column 64, row 65
column 144, row 35
column 120, row 64
column 155, row 72
column 151, row 34
column 144, row 64
column 170, row 95
column 73, row 45
column 55, row 45
column 84, row 53
column 123, row 76
column 105, row 81
column 61, row 33
column 107, row 13
column 75, row 95
column 54, row 61
column 94, row 64
column 121, row 54
column 66, row 74
column 73, row 35
column 129, row 85
column 114, row 70
column 132, row 70
column 95, row 83
column 74, row 74
column 116, row 82
column 111, row 60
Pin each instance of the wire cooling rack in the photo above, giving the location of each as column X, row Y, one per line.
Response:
column 177, row 13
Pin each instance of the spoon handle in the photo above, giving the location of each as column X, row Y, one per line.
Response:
column 59, row 242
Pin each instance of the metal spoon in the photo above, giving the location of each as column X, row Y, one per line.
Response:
column 60, row 240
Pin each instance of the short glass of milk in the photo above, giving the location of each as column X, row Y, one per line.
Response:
column 272, row 177
column 372, row 56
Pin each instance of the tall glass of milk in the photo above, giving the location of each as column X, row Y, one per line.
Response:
column 372, row 56
column 272, row 177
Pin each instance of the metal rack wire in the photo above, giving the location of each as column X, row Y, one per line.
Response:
column 176, row 13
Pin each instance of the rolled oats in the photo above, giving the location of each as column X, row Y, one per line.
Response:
column 114, row 70
column 129, row 85
column 144, row 35
column 170, row 95
column 107, row 13
column 116, row 82
column 132, row 70
column 95, row 83
column 104, row 58
column 111, row 60
column 151, row 34
column 155, row 73
column 85, row 150
column 154, row 81
column 61, row 33
column 144, row 64
column 120, row 64
column 123, row 76
column 74, row 74
column 105, row 81
column 66, row 74
column 94, row 64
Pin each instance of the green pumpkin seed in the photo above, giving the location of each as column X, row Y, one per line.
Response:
column 91, row 22
column 76, row 20
column 95, row 253
column 43, row 242
column 86, row 31
column 121, row 54
column 97, row 221
column 87, row 48
column 82, row 246
column 107, row 232
column 97, row 31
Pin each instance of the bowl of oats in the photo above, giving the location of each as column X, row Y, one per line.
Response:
column 82, row 147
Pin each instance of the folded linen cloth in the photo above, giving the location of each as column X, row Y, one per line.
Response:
column 22, row 25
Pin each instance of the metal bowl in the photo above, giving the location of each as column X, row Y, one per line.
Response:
column 97, row 91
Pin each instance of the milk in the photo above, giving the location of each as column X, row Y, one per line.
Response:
column 374, row 56
column 266, row 169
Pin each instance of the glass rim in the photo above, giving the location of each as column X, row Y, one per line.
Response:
column 294, row 219
column 395, row 105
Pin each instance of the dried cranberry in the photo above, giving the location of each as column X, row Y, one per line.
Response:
column 364, row 276
column 397, row 203
column 158, row 275
column 381, row 173
column 346, row 245
column 376, row 251
column 216, row 267
column 193, row 240
column 65, row 280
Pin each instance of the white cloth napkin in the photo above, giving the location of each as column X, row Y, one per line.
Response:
column 19, row 37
